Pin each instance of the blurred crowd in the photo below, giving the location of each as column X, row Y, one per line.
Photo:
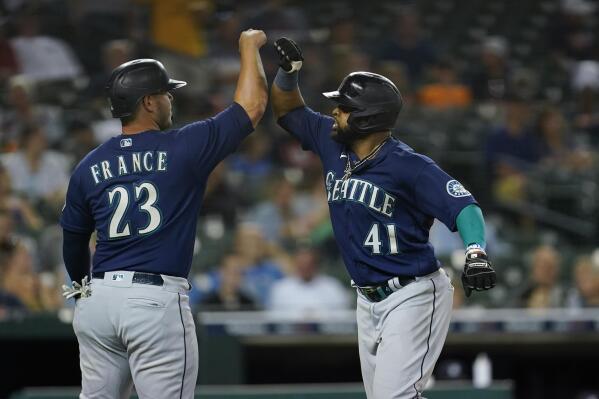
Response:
column 510, row 106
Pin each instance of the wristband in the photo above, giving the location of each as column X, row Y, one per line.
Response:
column 474, row 246
column 286, row 81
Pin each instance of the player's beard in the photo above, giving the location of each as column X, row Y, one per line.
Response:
column 344, row 135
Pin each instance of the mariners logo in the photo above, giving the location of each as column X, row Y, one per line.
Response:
column 455, row 189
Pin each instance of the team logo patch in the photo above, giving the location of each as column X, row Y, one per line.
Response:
column 455, row 189
column 126, row 143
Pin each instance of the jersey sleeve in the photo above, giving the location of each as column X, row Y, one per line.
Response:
column 439, row 195
column 209, row 141
column 311, row 128
column 76, row 214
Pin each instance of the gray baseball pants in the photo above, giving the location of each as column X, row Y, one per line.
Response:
column 140, row 334
column 400, row 338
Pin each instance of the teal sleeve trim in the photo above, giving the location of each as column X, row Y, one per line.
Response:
column 471, row 226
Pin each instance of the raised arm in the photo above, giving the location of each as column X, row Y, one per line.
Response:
column 252, row 91
column 285, row 93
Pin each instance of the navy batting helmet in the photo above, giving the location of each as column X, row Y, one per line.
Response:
column 373, row 100
column 133, row 80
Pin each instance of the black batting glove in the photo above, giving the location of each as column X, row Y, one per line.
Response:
column 290, row 55
column 478, row 274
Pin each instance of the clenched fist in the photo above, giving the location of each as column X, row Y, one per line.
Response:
column 252, row 37
column 478, row 273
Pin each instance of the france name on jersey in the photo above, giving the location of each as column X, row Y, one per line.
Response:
column 382, row 214
column 142, row 193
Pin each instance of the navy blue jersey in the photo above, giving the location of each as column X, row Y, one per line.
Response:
column 382, row 213
column 142, row 193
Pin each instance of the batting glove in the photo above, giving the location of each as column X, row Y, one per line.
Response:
column 290, row 55
column 478, row 274
column 82, row 290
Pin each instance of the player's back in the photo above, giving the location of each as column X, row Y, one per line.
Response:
column 142, row 193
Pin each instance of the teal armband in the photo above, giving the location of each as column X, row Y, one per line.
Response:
column 471, row 226
column 286, row 81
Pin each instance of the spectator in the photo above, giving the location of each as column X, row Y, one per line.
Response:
column 557, row 148
column 114, row 53
column 445, row 91
column 585, row 293
column 230, row 294
column 179, row 25
column 277, row 215
column 42, row 57
column 39, row 174
column 343, row 35
column 19, row 209
column 81, row 140
column 585, row 75
column 263, row 263
column 409, row 45
column 572, row 34
column 7, row 233
column 544, row 289
column 38, row 292
column 99, row 22
column 252, row 162
column 221, row 201
column 490, row 78
column 278, row 17
column 178, row 29
column 9, row 303
column 511, row 150
column 344, row 63
column 223, row 58
column 396, row 72
column 308, row 291
column 22, row 110
column 585, row 82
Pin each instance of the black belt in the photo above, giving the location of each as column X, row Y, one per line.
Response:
column 139, row 278
column 377, row 293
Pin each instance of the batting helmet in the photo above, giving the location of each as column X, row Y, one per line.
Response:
column 373, row 100
column 133, row 80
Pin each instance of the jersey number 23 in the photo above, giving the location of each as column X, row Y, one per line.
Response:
column 119, row 200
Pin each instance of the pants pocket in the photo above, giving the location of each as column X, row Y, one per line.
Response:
column 145, row 302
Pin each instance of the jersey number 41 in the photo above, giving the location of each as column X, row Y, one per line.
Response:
column 373, row 240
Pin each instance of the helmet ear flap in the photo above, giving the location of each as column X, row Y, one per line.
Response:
column 371, row 123
column 359, row 124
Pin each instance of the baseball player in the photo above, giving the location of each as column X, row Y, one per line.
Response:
column 383, row 198
column 141, row 192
